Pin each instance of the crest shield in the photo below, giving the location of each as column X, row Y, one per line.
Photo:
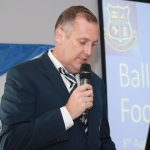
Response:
column 119, row 27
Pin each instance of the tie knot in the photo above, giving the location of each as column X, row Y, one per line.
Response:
column 66, row 73
column 70, row 77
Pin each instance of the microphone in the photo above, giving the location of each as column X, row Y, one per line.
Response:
column 85, row 75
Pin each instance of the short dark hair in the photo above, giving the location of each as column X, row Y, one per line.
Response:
column 68, row 16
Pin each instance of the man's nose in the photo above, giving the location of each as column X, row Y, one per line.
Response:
column 88, row 49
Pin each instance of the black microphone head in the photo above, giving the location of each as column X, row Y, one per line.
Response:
column 85, row 71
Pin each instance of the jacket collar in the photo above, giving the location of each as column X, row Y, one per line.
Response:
column 54, row 76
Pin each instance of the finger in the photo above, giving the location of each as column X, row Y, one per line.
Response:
column 84, row 87
column 89, row 99
column 88, row 93
column 89, row 105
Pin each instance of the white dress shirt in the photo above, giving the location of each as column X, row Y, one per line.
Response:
column 65, row 114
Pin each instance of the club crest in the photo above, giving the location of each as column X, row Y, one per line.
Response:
column 119, row 34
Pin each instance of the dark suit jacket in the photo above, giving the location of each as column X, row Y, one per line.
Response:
column 31, row 117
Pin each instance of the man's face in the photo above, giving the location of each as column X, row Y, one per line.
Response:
column 79, row 46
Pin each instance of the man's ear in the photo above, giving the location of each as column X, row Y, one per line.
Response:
column 59, row 35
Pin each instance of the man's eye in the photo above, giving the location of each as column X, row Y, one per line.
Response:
column 82, row 43
column 93, row 44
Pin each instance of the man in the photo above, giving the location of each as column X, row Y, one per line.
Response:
column 38, row 108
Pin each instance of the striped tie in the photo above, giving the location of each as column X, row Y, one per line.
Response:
column 84, row 121
column 70, row 77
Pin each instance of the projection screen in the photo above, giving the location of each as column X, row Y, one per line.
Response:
column 125, row 44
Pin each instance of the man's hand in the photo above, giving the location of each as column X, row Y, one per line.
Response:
column 80, row 100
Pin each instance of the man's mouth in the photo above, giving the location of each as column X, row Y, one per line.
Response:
column 83, row 60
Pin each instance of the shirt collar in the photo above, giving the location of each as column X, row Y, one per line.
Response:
column 56, row 63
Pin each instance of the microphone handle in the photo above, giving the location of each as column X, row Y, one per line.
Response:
column 84, row 81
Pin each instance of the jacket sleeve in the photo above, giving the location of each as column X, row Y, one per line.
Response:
column 20, row 128
column 106, row 142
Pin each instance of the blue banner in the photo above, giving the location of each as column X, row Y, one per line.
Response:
column 13, row 54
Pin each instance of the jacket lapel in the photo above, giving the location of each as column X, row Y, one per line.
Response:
column 54, row 76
